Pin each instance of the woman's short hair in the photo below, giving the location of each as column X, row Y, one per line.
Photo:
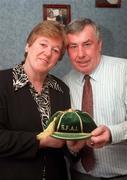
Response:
column 49, row 29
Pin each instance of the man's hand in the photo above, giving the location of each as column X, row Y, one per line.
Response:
column 101, row 136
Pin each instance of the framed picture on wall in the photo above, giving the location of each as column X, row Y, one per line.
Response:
column 108, row 3
column 57, row 12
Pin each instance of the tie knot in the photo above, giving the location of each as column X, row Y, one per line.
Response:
column 87, row 77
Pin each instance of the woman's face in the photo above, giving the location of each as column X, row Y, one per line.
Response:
column 43, row 54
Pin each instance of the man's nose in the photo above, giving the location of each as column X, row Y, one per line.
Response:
column 81, row 52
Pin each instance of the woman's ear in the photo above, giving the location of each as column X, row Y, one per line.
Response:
column 26, row 48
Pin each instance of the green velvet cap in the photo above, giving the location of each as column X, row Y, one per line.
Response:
column 72, row 125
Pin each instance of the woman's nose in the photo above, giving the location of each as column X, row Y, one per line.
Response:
column 48, row 51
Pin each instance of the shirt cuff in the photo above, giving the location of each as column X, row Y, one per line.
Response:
column 118, row 132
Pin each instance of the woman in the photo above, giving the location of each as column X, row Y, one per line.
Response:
column 29, row 95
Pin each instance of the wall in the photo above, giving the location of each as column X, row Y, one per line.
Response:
column 18, row 17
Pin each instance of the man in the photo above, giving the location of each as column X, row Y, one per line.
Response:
column 61, row 18
column 108, row 76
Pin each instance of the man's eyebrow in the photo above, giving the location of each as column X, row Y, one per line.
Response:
column 88, row 40
column 75, row 43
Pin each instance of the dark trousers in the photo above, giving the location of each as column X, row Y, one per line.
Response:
column 79, row 176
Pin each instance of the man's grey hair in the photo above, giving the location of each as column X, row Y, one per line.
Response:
column 78, row 25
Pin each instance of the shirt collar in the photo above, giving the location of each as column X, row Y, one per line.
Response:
column 20, row 79
column 96, row 74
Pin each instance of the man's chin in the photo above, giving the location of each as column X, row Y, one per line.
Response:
column 82, row 70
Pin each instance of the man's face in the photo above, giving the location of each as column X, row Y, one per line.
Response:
column 84, row 50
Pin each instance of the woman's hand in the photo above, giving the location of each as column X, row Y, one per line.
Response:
column 75, row 146
column 46, row 140
column 51, row 142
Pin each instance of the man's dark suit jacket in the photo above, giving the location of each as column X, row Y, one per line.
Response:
column 20, row 157
column 62, row 19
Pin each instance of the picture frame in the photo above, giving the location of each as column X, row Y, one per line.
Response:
column 57, row 12
column 108, row 3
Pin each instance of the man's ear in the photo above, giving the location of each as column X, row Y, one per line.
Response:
column 100, row 45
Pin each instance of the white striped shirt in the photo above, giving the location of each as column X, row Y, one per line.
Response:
column 109, row 84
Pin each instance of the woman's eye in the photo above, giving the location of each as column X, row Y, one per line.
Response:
column 56, row 50
column 43, row 45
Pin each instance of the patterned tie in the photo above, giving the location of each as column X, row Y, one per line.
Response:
column 87, row 99
column 87, row 156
